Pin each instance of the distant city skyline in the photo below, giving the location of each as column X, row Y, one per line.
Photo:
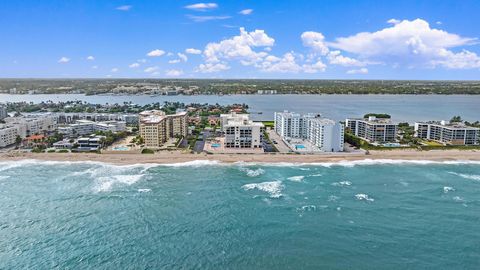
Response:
column 427, row 40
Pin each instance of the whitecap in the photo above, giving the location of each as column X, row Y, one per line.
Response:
column 458, row 199
column 144, row 190
column 251, row 172
column 448, row 189
column 298, row 178
column 342, row 184
column 105, row 183
column 274, row 188
column 467, row 176
column 315, row 175
column 363, row 197
column 4, row 177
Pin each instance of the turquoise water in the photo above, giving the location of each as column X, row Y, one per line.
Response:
column 299, row 146
column 202, row 215
column 121, row 148
column 215, row 145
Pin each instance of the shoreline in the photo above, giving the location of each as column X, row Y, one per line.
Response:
column 182, row 157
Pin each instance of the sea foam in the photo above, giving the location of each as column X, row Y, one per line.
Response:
column 298, row 178
column 274, row 188
column 467, row 176
column 364, row 197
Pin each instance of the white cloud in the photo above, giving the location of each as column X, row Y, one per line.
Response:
column 211, row 68
column 239, row 47
column 64, row 60
column 319, row 66
column 175, row 61
column 183, row 57
column 142, row 60
column 335, row 58
column 90, row 58
column 134, row 65
column 94, row 67
column 462, row 60
column 124, row 8
column 394, row 21
column 315, row 41
column 246, row 11
column 358, row 71
column 202, row 6
column 193, row 51
column 156, row 53
column 114, row 70
column 286, row 64
column 412, row 43
column 207, row 18
column 151, row 69
column 174, row 72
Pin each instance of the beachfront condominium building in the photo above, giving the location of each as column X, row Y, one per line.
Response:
column 240, row 131
column 292, row 125
column 23, row 127
column 325, row 134
column 372, row 129
column 87, row 127
column 156, row 127
column 448, row 133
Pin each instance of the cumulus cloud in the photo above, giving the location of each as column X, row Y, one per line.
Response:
column 182, row 57
column 63, row 60
column 413, row 43
column 124, row 8
column 212, row 67
column 114, row 70
column 193, row 51
column 246, row 11
column 134, row 65
column 358, row 71
column 239, row 47
column 319, row 66
column 174, row 72
column 156, row 53
column 315, row 41
column 286, row 64
column 174, row 61
column 202, row 6
column 335, row 58
column 90, row 58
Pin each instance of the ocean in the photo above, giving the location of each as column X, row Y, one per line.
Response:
column 402, row 108
column 207, row 215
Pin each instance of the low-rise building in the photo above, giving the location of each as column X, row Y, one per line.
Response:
column 372, row 129
column 87, row 127
column 241, row 132
column 23, row 127
column 92, row 143
column 448, row 133
column 156, row 127
column 8, row 135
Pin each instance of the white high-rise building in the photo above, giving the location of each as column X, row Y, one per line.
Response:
column 291, row 125
column 325, row 134
column 241, row 132
column 448, row 133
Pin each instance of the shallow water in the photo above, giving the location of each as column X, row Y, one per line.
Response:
column 350, row 215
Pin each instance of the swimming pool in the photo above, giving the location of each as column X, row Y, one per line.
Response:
column 121, row 148
column 215, row 145
column 299, row 146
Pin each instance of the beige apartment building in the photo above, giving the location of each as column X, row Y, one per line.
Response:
column 156, row 127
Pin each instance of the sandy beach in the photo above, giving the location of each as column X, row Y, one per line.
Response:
column 180, row 157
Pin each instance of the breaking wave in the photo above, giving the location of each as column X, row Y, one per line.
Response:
column 364, row 197
column 298, row 178
column 467, row 176
column 274, row 188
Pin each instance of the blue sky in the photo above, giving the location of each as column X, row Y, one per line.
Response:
column 240, row 39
